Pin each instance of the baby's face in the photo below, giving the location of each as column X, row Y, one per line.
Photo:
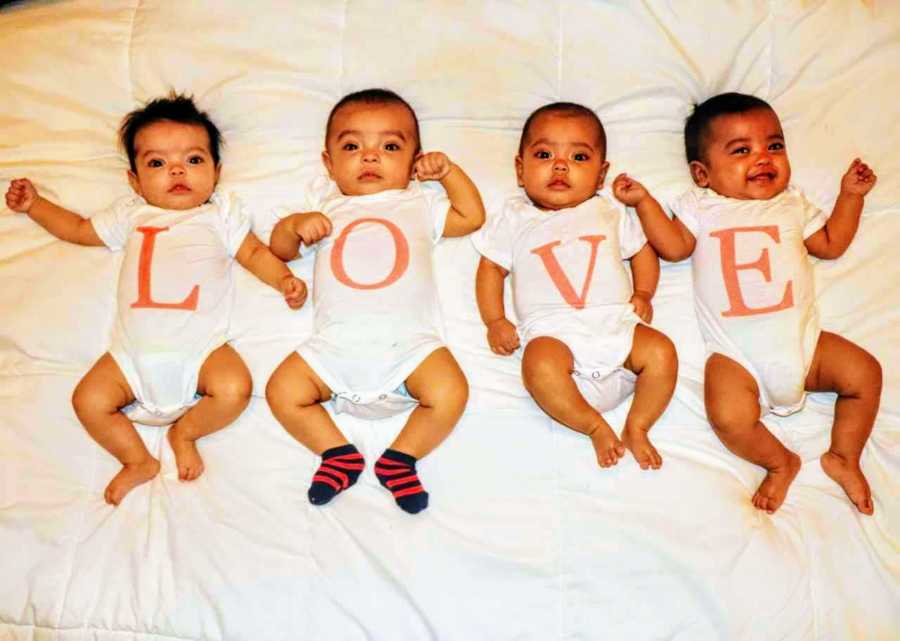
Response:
column 744, row 156
column 562, row 163
column 175, row 167
column 370, row 148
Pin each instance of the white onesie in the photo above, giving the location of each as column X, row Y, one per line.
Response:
column 569, row 282
column 375, row 302
column 753, row 286
column 174, row 296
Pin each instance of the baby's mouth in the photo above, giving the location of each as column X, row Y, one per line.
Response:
column 369, row 175
column 763, row 177
column 179, row 189
column 558, row 183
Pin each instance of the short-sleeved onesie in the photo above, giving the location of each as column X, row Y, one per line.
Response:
column 174, row 299
column 569, row 282
column 753, row 286
column 376, row 315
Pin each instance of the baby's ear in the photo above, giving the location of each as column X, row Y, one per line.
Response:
column 520, row 170
column 601, row 177
column 412, row 166
column 326, row 160
column 699, row 173
column 134, row 182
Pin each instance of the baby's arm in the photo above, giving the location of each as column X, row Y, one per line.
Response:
column 308, row 227
column 669, row 237
column 62, row 223
column 645, row 275
column 833, row 239
column 262, row 263
column 466, row 212
column 502, row 336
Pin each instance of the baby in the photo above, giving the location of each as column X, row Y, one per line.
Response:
column 168, row 350
column 586, row 348
column 375, row 348
column 750, row 231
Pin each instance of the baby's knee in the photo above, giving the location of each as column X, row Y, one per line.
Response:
column 662, row 353
column 88, row 401
column 234, row 390
column 450, row 395
column 284, row 391
column 871, row 374
column 730, row 417
column 542, row 367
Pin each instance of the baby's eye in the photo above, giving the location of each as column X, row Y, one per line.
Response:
column 543, row 155
column 156, row 162
column 776, row 146
column 196, row 160
column 740, row 150
column 581, row 157
column 350, row 146
column 392, row 146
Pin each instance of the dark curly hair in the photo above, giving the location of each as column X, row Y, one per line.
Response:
column 696, row 128
column 175, row 108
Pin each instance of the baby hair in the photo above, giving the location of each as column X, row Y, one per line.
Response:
column 373, row 97
column 565, row 109
column 696, row 128
column 174, row 108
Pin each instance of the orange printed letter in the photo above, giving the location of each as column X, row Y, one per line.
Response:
column 145, row 299
column 401, row 257
column 730, row 272
column 545, row 252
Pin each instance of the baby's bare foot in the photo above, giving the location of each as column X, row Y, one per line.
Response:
column 771, row 492
column 850, row 477
column 607, row 446
column 638, row 443
column 129, row 477
column 187, row 458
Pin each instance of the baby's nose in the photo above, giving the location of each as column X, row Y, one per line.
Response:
column 371, row 155
column 176, row 169
column 560, row 165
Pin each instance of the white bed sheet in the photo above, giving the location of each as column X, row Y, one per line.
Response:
column 526, row 538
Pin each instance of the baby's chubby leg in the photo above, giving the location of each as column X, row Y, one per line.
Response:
column 844, row 367
column 732, row 406
column 654, row 360
column 225, row 385
column 97, row 401
column 296, row 393
column 547, row 366
column 441, row 388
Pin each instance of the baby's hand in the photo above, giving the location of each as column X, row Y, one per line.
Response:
column 642, row 306
column 502, row 337
column 21, row 195
column 312, row 227
column 432, row 166
column 858, row 180
column 628, row 191
column 294, row 291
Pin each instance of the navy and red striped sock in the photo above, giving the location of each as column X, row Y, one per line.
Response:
column 397, row 472
column 340, row 468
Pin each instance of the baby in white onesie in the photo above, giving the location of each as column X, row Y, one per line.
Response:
column 168, row 360
column 376, row 348
column 581, row 318
column 750, row 232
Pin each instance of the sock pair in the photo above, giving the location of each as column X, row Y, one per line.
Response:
column 396, row 471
